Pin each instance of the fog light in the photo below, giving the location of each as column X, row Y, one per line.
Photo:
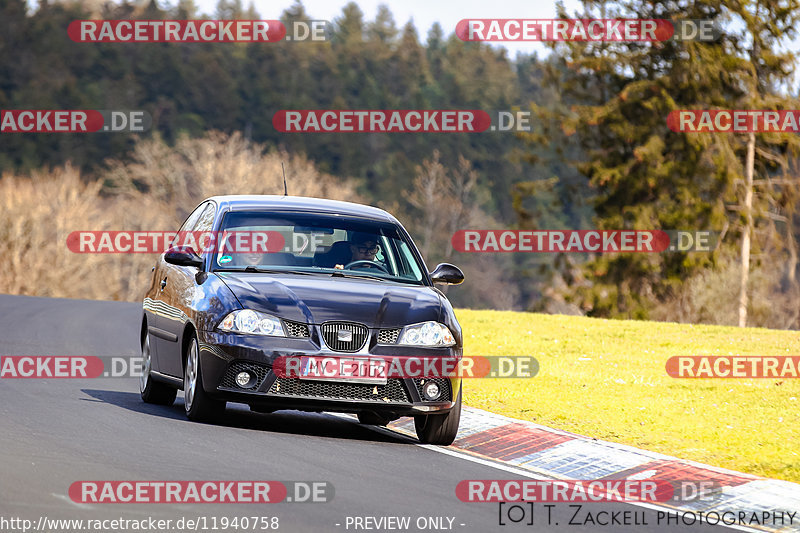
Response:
column 430, row 390
column 244, row 380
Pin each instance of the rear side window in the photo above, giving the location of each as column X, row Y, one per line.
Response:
column 204, row 223
column 192, row 219
column 201, row 219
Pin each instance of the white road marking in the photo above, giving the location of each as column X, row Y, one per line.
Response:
column 69, row 500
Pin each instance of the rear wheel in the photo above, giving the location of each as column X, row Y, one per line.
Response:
column 153, row 391
column 439, row 429
column 199, row 405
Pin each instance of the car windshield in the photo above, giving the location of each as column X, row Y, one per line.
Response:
column 313, row 243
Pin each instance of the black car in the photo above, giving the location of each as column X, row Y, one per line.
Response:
column 348, row 283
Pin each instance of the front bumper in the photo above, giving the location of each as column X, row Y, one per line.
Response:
column 223, row 355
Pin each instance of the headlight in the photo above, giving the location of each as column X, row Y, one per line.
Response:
column 253, row 323
column 426, row 334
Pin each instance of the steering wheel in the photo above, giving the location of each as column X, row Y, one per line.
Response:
column 367, row 263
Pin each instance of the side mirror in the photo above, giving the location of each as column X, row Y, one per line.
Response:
column 183, row 256
column 447, row 273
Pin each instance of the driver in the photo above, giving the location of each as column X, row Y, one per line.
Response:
column 360, row 247
column 250, row 259
column 363, row 247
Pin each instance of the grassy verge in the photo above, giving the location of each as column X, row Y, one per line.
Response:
column 606, row 379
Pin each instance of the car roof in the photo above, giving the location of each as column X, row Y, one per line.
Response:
column 301, row 204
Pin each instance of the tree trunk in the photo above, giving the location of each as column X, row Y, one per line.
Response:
column 748, row 212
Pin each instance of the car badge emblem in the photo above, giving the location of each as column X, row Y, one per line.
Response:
column 344, row 335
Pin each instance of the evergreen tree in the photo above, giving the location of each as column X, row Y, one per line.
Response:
column 644, row 175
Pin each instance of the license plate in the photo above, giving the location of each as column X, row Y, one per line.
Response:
column 344, row 369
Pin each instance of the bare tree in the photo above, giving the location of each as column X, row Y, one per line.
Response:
column 431, row 195
column 748, row 228
column 151, row 191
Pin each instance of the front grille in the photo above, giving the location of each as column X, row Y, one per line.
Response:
column 296, row 329
column 388, row 336
column 229, row 379
column 445, row 394
column 392, row 392
column 333, row 332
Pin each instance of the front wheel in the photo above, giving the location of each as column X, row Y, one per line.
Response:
column 152, row 391
column 439, row 429
column 199, row 405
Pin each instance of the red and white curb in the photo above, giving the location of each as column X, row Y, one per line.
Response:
column 555, row 454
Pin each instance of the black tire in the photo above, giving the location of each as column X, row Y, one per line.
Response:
column 199, row 406
column 439, row 429
column 152, row 391
column 372, row 419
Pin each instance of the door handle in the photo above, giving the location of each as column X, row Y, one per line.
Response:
column 163, row 283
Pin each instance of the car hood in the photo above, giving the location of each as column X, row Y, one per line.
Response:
column 317, row 299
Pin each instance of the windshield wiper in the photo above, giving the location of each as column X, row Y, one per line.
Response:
column 251, row 268
column 341, row 274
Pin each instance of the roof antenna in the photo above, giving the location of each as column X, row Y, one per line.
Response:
column 285, row 190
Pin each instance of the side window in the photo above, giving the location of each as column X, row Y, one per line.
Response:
column 409, row 263
column 206, row 220
column 204, row 224
column 191, row 221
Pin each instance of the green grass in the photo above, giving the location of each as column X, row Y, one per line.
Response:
column 606, row 379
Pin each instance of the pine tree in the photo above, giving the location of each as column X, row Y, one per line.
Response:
column 644, row 175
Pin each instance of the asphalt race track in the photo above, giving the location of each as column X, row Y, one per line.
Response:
column 54, row 432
